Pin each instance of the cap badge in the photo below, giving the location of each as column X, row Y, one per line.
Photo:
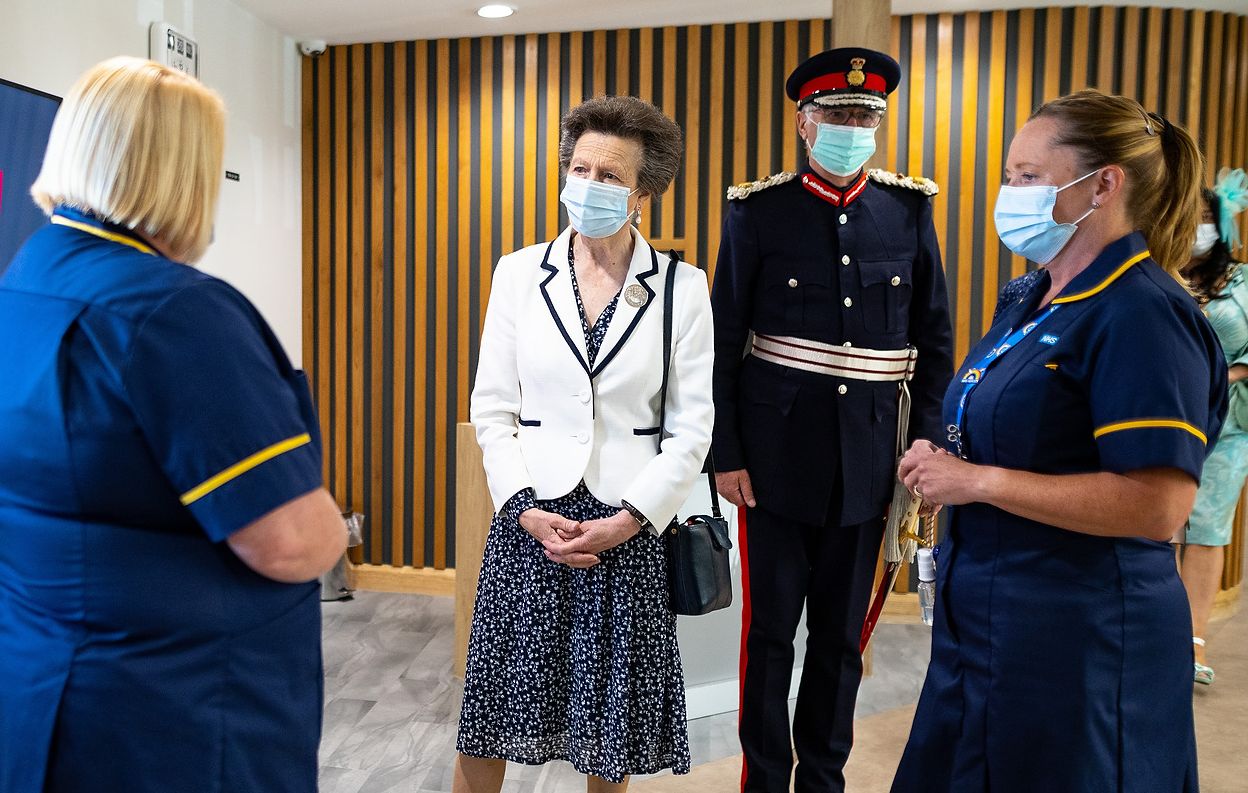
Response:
column 635, row 295
column 855, row 76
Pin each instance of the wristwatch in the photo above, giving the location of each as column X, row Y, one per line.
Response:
column 638, row 516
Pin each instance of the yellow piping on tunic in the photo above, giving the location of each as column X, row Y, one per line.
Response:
column 240, row 468
column 1112, row 277
column 102, row 234
column 1151, row 424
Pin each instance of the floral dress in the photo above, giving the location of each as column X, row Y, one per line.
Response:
column 571, row 664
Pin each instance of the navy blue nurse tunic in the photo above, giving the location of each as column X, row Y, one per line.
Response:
column 147, row 412
column 1063, row 661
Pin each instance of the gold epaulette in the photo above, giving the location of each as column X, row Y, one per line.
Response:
column 746, row 188
column 924, row 186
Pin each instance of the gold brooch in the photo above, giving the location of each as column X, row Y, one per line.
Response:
column 855, row 76
column 636, row 295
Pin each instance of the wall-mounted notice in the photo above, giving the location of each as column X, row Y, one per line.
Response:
column 173, row 48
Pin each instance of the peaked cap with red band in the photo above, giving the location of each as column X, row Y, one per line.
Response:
column 845, row 76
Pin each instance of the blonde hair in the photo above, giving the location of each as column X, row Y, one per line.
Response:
column 140, row 145
column 1161, row 161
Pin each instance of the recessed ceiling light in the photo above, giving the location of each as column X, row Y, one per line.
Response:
column 495, row 11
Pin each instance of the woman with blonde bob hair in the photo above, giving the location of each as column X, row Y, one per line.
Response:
column 162, row 520
column 139, row 145
column 1077, row 431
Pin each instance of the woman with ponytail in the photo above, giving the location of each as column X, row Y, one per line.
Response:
column 1077, row 431
column 1221, row 286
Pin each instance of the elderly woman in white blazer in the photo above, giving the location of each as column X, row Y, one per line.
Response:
column 573, row 650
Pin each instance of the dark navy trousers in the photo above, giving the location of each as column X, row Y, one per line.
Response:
column 829, row 570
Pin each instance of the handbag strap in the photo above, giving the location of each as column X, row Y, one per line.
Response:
column 669, row 291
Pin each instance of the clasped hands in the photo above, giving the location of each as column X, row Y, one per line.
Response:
column 577, row 543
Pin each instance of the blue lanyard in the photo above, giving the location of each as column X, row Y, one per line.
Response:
column 975, row 375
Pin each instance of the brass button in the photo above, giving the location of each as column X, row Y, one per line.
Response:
column 792, row 283
column 841, row 389
column 848, row 302
column 896, row 280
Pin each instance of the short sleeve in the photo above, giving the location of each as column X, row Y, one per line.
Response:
column 1229, row 317
column 228, row 420
column 1157, row 393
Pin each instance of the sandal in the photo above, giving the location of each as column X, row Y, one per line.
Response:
column 1202, row 674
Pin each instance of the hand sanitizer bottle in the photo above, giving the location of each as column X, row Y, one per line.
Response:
column 927, row 585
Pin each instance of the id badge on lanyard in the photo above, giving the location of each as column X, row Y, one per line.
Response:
column 975, row 375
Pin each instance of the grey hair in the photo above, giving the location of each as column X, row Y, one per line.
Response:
column 662, row 143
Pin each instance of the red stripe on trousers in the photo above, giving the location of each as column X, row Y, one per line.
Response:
column 745, row 622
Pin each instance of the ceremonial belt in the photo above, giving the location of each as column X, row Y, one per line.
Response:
column 854, row 363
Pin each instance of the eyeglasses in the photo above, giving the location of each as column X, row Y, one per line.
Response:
column 842, row 116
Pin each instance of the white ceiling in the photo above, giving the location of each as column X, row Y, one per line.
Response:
column 350, row 21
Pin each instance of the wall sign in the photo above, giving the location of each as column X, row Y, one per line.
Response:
column 173, row 48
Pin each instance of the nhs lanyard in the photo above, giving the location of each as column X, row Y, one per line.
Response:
column 975, row 374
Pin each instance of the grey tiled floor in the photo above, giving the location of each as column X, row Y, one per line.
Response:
column 391, row 704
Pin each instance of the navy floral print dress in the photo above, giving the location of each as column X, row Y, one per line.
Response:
column 569, row 664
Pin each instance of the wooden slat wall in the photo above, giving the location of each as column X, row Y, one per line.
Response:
column 425, row 161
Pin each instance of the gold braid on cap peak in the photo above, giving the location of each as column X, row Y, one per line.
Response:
column 747, row 188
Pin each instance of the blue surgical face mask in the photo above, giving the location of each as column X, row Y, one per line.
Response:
column 595, row 210
column 1024, row 217
column 843, row 150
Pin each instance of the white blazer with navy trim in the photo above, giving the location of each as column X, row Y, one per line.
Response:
column 545, row 420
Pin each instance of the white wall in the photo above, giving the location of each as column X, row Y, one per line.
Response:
column 47, row 44
column 710, row 645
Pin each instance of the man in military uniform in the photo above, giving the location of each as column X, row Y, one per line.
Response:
column 829, row 297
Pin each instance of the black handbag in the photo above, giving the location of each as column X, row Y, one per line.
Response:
column 698, row 572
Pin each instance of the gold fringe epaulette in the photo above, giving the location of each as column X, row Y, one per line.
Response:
column 747, row 188
column 924, row 186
